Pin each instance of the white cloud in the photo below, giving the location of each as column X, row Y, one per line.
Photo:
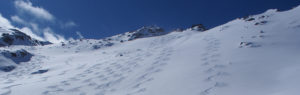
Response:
column 52, row 37
column 17, row 19
column 34, row 22
column 69, row 24
column 47, row 33
column 4, row 22
column 38, row 12
column 29, row 32
column 34, row 26
column 79, row 35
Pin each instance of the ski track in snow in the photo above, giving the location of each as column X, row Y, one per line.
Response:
column 102, row 77
column 214, row 67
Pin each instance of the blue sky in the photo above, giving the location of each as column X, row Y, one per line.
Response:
column 62, row 19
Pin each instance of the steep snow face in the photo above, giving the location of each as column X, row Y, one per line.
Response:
column 256, row 55
column 15, row 37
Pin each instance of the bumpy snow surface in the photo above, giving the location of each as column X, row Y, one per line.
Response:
column 257, row 55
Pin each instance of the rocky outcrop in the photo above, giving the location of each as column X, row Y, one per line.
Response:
column 199, row 27
column 17, row 56
column 144, row 32
column 10, row 59
column 17, row 37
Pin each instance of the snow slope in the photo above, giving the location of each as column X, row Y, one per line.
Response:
column 257, row 55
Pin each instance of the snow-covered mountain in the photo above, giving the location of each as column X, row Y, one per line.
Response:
column 254, row 55
column 16, row 37
column 13, row 37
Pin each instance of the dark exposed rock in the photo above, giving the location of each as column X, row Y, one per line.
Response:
column 199, row 27
column 7, row 39
column 109, row 44
column 7, row 68
column 40, row 71
column 246, row 17
column 261, row 17
column 261, row 23
column 144, row 32
column 63, row 44
column 96, row 46
column 14, row 58
column 17, row 56
column 250, row 19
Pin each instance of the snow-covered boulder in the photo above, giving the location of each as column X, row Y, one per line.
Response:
column 10, row 59
column 6, row 65
column 17, row 56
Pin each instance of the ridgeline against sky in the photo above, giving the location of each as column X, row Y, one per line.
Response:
column 63, row 19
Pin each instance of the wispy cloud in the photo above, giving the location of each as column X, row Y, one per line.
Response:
column 79, row 35
column 37, row 22
column 38, row 12
column 47, row 33
column 17, row 19
column 52, row 37
column 4, row 22
column 29, row 32
column 34, row 26
column 68, row 24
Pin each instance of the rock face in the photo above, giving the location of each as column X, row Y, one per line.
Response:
column 199, row 27
column 17, row 37
column 7, row 68
column 40, row 72
column 144, row 32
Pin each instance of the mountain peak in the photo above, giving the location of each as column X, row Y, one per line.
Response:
column 199, row 27
column 147, row 31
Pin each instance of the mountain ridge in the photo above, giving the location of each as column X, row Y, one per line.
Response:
column 256, row 55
